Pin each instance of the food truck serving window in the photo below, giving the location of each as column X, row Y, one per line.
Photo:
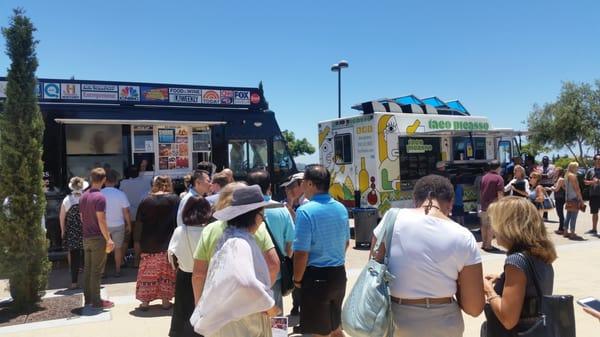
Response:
column 418, row 156
column 464, row 149
column 93, row 145
column 342, row 145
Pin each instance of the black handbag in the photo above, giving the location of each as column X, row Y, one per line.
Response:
column 553, row 315
column 286, row 267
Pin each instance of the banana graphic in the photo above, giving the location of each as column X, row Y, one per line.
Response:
column 411, row 129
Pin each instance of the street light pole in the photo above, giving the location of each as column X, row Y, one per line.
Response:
column 338, row 68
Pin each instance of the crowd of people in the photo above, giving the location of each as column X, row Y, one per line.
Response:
column 216, row 248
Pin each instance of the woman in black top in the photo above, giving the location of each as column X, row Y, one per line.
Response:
column 157, row 217
column 520, row 229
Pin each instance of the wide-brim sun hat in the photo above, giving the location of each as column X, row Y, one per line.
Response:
column 243, row 200
column 83, row 186
column 295, row 177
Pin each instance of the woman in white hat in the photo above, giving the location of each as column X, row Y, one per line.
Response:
column 236, row 299
column 71, row 228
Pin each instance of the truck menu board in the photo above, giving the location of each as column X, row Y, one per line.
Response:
column 418, row 156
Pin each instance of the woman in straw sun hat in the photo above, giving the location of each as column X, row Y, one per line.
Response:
column 71, row 228
column 236, row 299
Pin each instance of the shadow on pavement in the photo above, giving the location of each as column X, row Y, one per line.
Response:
column 155, row 310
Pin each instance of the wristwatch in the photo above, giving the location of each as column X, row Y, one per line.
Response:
column 297, row 283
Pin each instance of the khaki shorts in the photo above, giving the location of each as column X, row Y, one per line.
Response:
column 117, row 234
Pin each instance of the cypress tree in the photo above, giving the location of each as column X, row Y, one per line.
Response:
column 23, row 245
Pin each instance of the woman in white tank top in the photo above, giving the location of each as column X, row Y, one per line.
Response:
column 436, row 264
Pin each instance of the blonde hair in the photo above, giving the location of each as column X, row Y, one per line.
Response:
column 520, row 169
column 162, row 184
column 573, row 166
column 226, row 194
column 518, row 224
column 97, row 175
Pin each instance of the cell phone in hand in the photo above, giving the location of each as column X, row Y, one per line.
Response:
column 590, row 302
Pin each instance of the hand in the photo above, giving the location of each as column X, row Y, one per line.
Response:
column 110, row 246
column 128, row 228
column 274, row 311
column 492, row 278
column 488, row 286
column 592, row 312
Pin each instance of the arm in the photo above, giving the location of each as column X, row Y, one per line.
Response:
column 508, row 306
column 104, row 229
column 470, row 289
column 588, row 179
column 198, row 278
column 300, row 263
column 272, row 263
column 61, row 218
column 127, row 217
column 509, row 186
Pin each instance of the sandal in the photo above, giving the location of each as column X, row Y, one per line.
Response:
column 167, row 307
column 143, row 307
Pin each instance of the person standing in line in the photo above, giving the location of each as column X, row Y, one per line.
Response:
column 522, row 232
column 492, row 189
column 537, row 192
column 118, row 218
column 219, row 180
column 212, row 233
column 574, row 199
column 294, row 192
column 458, row 208
column 433, row 259
column 156, row 216
column 200, row 187
column 592, row 179
column 136, row 188
column 559, row 198
column 196, row 214
column 229, row 173
column 96, row 239
column 518, row 186
column 280, row 224
column 236, row 299
column 71, row 227
column 322, row 237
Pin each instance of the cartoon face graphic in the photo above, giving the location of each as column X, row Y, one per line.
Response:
column 326, row 147
column 387, row 130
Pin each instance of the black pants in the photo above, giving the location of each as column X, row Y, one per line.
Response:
column 560, row 211
column 296, row 298
column 183, row 307
column 76, row 256
column 322, row 293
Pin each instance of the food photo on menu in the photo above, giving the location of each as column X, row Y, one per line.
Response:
column 164, row 150
column 279, row 326
column 163, row 163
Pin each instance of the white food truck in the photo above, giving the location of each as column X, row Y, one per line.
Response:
column 376, row 157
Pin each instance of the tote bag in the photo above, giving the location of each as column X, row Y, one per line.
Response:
column 367, row 311
column 554, row 318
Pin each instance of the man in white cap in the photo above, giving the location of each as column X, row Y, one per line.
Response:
column 294, row 193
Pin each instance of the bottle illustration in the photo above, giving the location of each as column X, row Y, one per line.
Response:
column 469, row 150
column 363, row 176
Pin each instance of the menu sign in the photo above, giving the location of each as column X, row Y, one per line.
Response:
column 173, row 148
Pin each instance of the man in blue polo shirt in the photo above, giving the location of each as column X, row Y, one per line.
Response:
column 322, row 236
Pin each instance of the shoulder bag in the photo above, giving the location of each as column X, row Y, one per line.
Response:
column 547, row 204
column 286, row 266
column 367, row 311
column 554, row 315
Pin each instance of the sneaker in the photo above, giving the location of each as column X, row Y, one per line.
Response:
column 592, row 231
column 105, row 304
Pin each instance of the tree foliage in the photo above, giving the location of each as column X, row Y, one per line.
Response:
column 23, row 245
column 297, row 147
column 571, row 122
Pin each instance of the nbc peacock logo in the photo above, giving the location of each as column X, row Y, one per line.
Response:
column 129, row 93
column 211, row 97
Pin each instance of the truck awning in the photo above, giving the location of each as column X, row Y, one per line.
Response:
column 135, row 121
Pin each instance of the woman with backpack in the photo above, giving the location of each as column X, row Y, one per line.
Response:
column 71, row 227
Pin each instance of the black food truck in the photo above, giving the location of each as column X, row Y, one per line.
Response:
column 165, row 128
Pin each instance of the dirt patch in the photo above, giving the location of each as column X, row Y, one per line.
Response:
column 49, row 309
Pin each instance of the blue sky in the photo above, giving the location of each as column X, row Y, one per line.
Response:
column 497, row 58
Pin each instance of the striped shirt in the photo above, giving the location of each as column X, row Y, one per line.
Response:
column 322, row 230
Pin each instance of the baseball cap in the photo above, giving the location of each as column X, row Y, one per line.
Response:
column 295, row 177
